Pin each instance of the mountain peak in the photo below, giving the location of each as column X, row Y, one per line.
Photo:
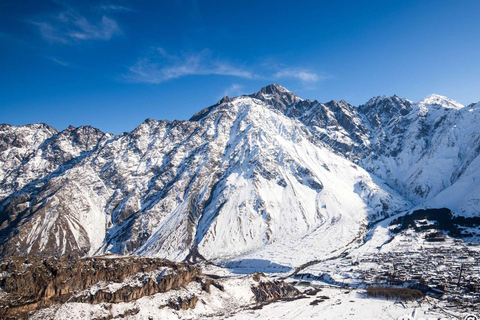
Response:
column 274, row 88
column 224, row 99
column 436, row 99
column 384, row 98
column 380, row 110
column 275, row 92
column 277, row 96
column 474, row 105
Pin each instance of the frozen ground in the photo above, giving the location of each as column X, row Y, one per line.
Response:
column 237, row 303
column 237, row 294
column 341, row 304
column 341, row 295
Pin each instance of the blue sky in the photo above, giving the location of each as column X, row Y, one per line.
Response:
column 112, row 64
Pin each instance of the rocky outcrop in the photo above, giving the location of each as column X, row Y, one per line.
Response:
column 32, row 283
column 206, row 282
column 183, row 303
column 268, row 291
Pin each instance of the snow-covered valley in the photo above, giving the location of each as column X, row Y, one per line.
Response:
column 267, row 182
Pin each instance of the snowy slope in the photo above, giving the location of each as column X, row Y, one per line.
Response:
column 268, row 177
column 426, row 147
column 236, row 303
column 17, row 144
column 256, row 181
column 281, row 188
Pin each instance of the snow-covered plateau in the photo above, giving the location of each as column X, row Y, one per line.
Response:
column 268, row 182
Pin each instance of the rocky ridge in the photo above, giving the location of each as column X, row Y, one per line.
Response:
column 250, row 174
column 32, row 284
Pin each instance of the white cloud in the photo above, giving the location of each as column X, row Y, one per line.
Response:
column 50, row 33
column 104, row 30
column 113, row 7
column 300, row 74
column 161, row 66
column 233, row 90
column 69, row 26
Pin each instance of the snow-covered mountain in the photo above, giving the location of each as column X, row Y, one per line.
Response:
column 266, row 176
column 424, row 148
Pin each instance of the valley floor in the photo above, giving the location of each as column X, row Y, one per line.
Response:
column 328, row 303
column 342, row 304
column 333, row 288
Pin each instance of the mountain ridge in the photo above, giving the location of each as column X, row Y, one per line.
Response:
column 224, row 183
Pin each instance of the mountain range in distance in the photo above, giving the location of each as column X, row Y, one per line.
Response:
column 268, row 178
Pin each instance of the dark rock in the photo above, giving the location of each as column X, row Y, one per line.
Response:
column 34, row 283
column 183, row 303
column 267, row 291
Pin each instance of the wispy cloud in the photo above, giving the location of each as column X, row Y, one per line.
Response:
column 113, row 7
column 300, row 74
column 161, row 66
column 280, row 71
column 233, row 90
column 49, row 32
column 70, row 26
column 57, row 61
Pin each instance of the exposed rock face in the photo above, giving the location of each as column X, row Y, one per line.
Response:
column 281, row 99
column 33, row 283
column 267, row 291
column 421, row 148
column 207, row 282
column 183, row 303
